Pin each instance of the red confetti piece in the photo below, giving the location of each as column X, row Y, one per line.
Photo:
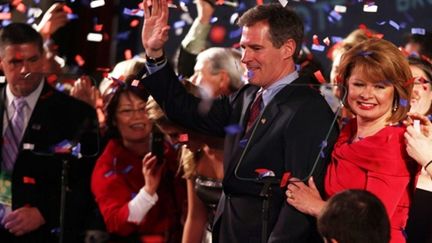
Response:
column 259, row 2
column 79, row 60
column 261, row 170
column 134, row 23
column 98, row 27
column 29, row 180
column 315, row 40
column 5, row 16
column 21, row 8
column 128, row 54
column 320, row 77
column 285, row 178
column 52, row 78
column 67, row 9
column 183, row 138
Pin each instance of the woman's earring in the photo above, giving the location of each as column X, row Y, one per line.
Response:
column 395, row 105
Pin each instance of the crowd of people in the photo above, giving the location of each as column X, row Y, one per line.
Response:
column 251, row 150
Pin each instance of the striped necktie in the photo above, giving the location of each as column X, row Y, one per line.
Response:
column 254, row 111
column 13, row 134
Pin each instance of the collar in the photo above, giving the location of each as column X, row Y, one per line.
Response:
column 272, row 90
column 31, row 99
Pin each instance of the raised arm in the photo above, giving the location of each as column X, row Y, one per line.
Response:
column 155, row 28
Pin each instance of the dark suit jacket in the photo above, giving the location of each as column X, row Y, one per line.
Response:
column 55, row 117
column 288, row 138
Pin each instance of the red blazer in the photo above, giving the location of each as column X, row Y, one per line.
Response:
column 118, row 177
column 378, row 164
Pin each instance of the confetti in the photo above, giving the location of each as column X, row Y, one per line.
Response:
column 326, row 41
column 370, row 8
column 94, row 37
column 320, row 77
column 128, row 54
column 394, row 24
column 285, row 179
column 365, row 53
column 97, row 3
column 340, row 8
column 418, row 31
column 283, row 2
column 403, row 102
column 317, row 47
column 79, row 60
column 243, row 143
column 133, row 12
column 233, row 129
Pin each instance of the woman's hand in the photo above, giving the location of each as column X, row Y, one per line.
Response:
column 304, row 198
column 419, row 144
column 152, row 173
column 84, row 90
column 155, row 28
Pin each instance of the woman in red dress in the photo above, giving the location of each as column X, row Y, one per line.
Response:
column 370, row 152
column 139, row 200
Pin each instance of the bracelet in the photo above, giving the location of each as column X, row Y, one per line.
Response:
column 428, row 163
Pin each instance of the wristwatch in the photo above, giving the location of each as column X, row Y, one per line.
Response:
column 155, row 61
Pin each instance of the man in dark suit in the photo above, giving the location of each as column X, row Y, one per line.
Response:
column 294, row 123
column 36, row 117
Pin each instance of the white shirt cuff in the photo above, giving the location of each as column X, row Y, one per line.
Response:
column 140, row 205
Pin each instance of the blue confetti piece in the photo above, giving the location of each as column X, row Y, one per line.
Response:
column 243, row 143
column 4, row 8
column 109, row 173
column 403, row 102
column 213, row 20
column 318, row 47
column 324, row 144
column 133, row 12
column 179, row 24
column 55, row 231
column 60, row 87
column 250, row 74
column 418, row 31
column 72, row 16
column 133, row 195
column 235, row 33
column 30, row 20
column 36, row 1
column 394, row 24
column 381, row 23
column 127, row 169
column 266, row 174
column 429, row 117
column 76, row 151
column 298, row 67
column 233, row 129
column 123, row 35
column 322, row 155
column 365, row 53
column 337, row 16
column 336, row 39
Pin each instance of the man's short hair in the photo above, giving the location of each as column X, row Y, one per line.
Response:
column 355, row 216
column 19, row 33
column 284, row 23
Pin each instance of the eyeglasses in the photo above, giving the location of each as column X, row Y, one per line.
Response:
column 131, row 112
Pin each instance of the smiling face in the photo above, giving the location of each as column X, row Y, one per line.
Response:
column 421, row 99
column 370, row 101
column 22, row 64
column 131, row 119
column 265, row 63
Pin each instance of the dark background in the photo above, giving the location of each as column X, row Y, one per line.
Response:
column 120, row 37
